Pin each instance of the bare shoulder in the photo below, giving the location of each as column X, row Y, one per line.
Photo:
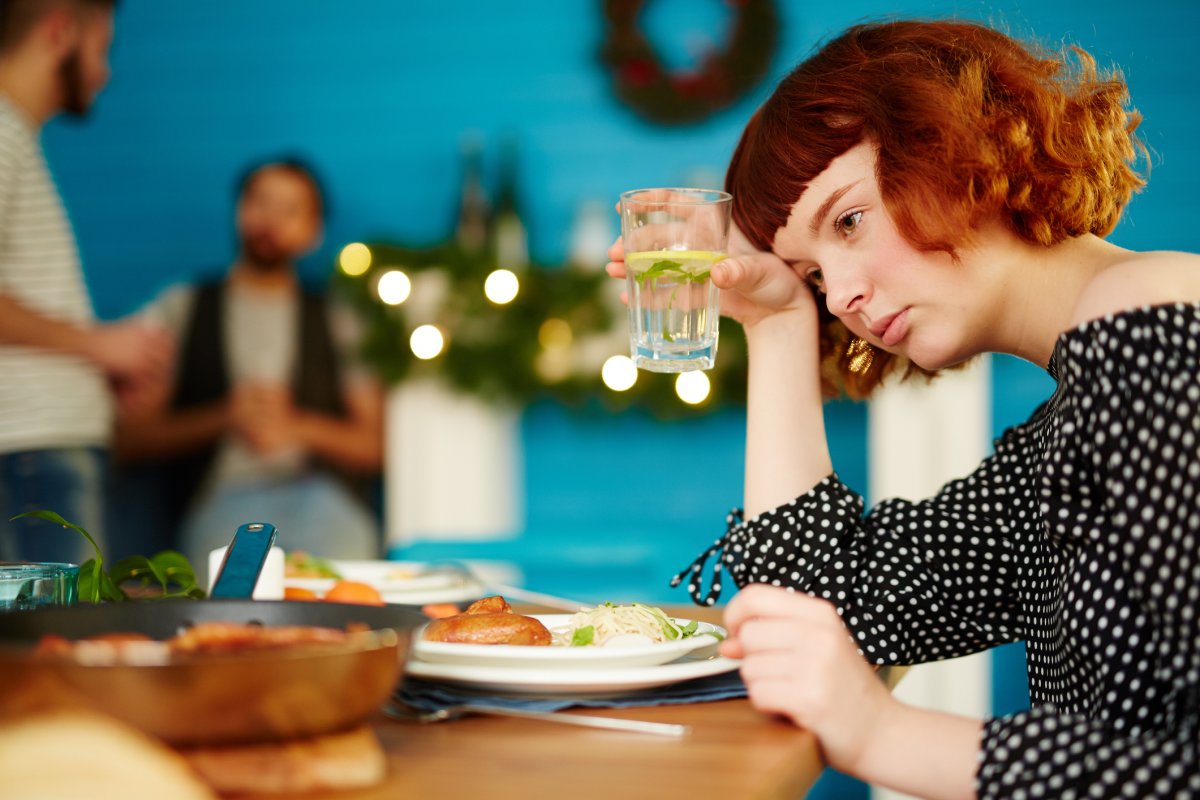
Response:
column 1141, row 279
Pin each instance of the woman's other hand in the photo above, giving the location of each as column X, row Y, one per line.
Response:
column 799, row 660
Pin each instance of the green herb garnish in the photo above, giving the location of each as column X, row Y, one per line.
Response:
column 675, row 270
column 305, row 565
column 583, row 636
column 170, row 570
column 680, row 275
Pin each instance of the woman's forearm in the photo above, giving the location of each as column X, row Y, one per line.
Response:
column 786, row 450
column 922, row 753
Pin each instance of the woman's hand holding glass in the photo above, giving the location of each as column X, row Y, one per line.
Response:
column 754, row 284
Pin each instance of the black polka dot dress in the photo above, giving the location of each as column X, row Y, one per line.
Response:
column 1080, row 536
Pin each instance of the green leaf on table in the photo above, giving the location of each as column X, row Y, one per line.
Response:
column 137, row 568
column 178, row 571
column 50, row 516
column 170, row 570
column 96, row 586
column 583, row 636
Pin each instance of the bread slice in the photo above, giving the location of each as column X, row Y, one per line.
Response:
column 69, row 754
column 343, row 760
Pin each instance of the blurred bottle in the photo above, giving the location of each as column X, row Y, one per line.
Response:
column 592, row 232
column 471, row 229
column 510, row 242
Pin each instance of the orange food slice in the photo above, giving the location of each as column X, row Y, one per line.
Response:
column 354, row 592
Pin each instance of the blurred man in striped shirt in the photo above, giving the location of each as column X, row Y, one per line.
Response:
column 59, row 365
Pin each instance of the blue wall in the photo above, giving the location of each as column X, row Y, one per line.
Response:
column 380, row 92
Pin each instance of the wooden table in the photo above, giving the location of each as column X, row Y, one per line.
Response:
column 733, row 752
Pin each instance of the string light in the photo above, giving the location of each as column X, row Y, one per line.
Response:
column 692, row 387
column 394, row 287
column 555, row 334
column 427, row 342
column 355, row 259
column 619, row 373
column 501, row 286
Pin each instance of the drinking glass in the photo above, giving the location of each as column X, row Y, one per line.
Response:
column 672, row 237
column 30, row 584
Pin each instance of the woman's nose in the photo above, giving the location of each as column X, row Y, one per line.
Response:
column 846, row 291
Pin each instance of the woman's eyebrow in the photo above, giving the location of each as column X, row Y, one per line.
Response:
column 815, row 225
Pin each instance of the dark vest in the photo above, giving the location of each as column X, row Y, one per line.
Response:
column 203, row 377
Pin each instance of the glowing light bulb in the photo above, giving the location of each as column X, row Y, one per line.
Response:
column 692, row 387
column 355, row 259
column 619, row 373
column 501, row 286
column 555, row 334
column 427, row 342
column 394, row 287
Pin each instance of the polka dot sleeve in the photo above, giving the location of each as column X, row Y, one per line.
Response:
column 915, row 581
column 1045, row 753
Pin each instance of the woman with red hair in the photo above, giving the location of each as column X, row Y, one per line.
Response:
column 912, row 195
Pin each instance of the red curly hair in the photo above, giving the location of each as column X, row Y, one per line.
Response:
column 968, row 123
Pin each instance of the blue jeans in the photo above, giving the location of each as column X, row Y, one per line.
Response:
column 69, row 482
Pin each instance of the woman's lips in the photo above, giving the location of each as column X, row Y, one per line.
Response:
column 891, row 329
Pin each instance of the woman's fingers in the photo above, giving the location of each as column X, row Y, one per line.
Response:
column 761, row 600
column 616, row 252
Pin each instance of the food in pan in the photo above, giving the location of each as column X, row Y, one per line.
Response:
column 204, row 638
column 488, row 621
column 227, row 637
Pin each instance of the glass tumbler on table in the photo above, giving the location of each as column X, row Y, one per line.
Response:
column 672, row 237
column 26, row 584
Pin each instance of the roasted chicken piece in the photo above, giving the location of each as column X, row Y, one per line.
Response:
column 488, row 621
column 490, row 605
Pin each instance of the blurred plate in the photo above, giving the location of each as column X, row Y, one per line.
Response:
column 519, row 680
column 408, row 582
column 557, row 657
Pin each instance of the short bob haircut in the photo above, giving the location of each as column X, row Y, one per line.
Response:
column 968, row 124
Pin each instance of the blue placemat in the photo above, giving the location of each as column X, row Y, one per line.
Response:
column 431, row 696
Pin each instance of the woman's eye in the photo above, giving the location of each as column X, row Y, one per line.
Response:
column 848, row 223
column 815, row 279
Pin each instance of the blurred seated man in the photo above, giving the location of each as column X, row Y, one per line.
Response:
column 268, row 416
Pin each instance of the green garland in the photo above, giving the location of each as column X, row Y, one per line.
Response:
column 644, row 83
column 498, row 352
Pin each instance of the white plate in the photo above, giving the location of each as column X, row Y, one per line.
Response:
column 577, row 682
column 398, row 581
column 559, row 657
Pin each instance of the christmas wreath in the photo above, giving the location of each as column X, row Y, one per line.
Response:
column 678, row 97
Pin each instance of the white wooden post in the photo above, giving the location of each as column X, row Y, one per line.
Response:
column 454, row 469
column 921, row 436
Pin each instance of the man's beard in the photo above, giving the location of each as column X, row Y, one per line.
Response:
column 76, row 99
column 262, row 254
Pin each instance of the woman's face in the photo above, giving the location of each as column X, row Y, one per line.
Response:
column 841, row 239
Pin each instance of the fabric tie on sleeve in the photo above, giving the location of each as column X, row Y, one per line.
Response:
column 721, row 549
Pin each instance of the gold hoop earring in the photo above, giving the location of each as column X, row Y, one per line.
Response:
column 860, row 355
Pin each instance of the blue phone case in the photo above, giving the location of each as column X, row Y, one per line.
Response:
column 244, row 561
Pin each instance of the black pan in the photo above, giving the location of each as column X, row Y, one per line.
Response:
column 212, row 699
